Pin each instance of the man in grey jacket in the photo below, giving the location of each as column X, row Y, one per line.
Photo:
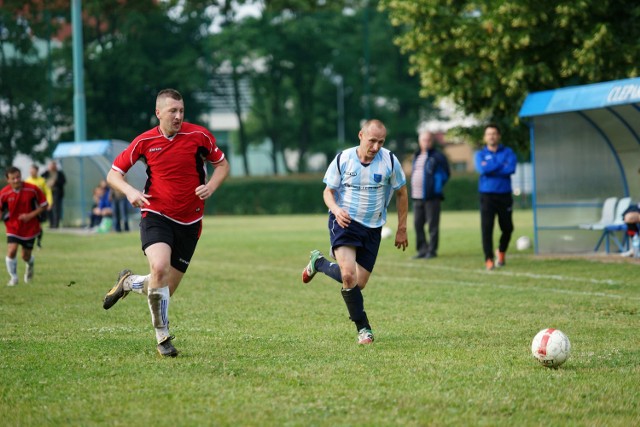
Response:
column 429, row 174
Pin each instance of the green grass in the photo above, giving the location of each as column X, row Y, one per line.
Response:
column 259, row 348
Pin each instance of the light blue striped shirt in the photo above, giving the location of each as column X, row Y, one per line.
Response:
column 365, row 190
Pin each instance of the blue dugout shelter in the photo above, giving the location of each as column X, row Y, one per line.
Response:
column 585, row 147
column 84, row 164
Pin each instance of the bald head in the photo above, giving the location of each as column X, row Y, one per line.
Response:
column 373, row 125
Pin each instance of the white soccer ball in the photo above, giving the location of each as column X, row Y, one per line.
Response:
column 551, row 347
column 523, row 243
column 386, row 233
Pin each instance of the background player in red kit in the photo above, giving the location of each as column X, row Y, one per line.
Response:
column 21, row 203
column 172, row 205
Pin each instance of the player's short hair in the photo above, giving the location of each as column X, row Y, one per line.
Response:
column 11, row 170
column 168, row 93
column 494, row 126
column 373, row 122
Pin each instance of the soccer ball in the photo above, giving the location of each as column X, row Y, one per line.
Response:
column 551, row 347
column 523, row 243
column 386, row 232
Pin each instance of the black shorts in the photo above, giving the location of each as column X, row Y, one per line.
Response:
column 181, row 238
column 365, row 240
column 27, row 244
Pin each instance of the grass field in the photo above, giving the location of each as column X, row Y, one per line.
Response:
column 259, row 348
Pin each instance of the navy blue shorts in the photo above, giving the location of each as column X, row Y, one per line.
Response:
column 366, row 241
column 181, row 238
column 27, row 244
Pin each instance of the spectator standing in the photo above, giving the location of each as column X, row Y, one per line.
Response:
column 360, row 183
column 21, row 205
column 120, row 206
column 429, row 174
column 95, row 215
column 495, row 163
column 56, row 181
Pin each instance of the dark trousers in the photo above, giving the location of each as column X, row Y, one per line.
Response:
column 492, row 205
column 55, row 214
column 426, row 212
column 121, row 214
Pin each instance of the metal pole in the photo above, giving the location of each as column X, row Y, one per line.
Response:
column 367, row 94
column 79, row 107
column 340, row 100
column 47, row 17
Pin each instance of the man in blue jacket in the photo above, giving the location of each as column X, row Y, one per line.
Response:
column 495, row 163
column 429, row 174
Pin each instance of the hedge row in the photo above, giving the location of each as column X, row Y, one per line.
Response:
column 302, row 195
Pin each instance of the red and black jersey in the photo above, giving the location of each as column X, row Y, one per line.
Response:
column 14, row 203
column 175, row 168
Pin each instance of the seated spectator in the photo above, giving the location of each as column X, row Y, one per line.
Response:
column 102, row 210
column 631, row 218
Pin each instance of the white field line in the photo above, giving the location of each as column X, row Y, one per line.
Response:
column 472, row 272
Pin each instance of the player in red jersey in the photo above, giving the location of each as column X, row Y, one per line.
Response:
column 172, row 205
column 21, row 204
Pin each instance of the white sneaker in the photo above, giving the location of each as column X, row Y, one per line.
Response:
column 13, row 281
column 627, row 254
column 365, row 336
column 28, row 273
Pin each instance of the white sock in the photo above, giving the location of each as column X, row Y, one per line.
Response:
column 137, row 284
column 158, row 299
column 12, row 266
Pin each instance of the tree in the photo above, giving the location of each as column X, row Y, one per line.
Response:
column 301, row 50
column 396, row 90
column 132, row 50
column 26, row 115
column 487, row 55
column 229, row 55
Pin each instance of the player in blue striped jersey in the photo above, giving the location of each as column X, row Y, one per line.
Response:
column 360, row 184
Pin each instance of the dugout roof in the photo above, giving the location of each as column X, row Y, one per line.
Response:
column 85, row 163
column 585, row 147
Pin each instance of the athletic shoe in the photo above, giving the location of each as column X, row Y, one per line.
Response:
column 501, row 259
column 166, row 349
column 13, row 281
column 627, row 254
column 28, row 273
column 117, row 291
column 310, row 270
column 365, row 336
column 489, row 264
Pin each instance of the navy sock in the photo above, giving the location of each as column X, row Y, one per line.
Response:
column 355, row 305
column 329, row 268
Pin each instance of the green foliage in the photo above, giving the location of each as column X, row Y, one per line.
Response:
column 27, row 115
column 487, row 55
column 461, row 193
column 133, row 50
column 261, row 349
column 300, row 51
column 268, row 196
column 290, row 57
column 303, row 195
